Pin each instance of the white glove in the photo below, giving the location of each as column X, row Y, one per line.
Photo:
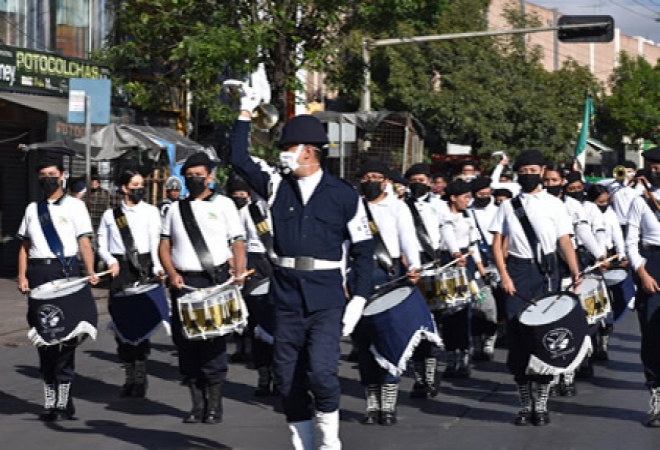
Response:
column 248, row 97
column 353, row 314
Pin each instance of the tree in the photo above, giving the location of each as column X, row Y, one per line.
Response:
column 633, row 107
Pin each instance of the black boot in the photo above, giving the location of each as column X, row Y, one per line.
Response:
column 140, row 388
column 213, row 412
column 129, row 382
column 654, row 419
column 388, row 397
column 372, row 411
column 64, row 408
column 264, row 381
column 524, row 416
column 541, row 416
column 197, row 411
column 49, row 413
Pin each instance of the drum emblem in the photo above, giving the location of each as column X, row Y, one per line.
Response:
column 557, row 341
column 50, row 316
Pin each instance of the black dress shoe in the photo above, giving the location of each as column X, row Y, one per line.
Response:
column 48, row 415
column 370, row 418
column 387, row 418
column 541, row 419
column 418, row 391
column 126, row 390
column 263, row 391
column 431, row 391
column 654, row 421
column 193, row 417
column 213, row 416
column 523, row 418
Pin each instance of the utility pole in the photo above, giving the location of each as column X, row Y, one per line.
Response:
column 555, row 41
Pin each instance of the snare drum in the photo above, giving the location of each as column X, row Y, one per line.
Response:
column 61, row 310
column 211, row 312
column 556, row 330
column 621, row 288
column 395, row 322
column 594, row 298
column 138, row 311
column 448, row 290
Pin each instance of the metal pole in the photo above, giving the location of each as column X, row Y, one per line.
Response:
column 88, row 146
column 555, row 42
column 523, row 14
column 342, row 164
column 366, row 88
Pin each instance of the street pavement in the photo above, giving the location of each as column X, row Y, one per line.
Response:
column 607, row 413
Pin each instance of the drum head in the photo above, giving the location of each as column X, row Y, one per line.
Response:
column 549, row 309
column 615, row 276
column 56, row 288
column 137, row 290
column 261, row 288
column 589, row 283
column 388, row 300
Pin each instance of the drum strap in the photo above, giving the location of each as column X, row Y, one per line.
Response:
column 382, row 255
column 263, row 230
column 196, row 238
column 533, row 240
column 422, row 233
column 52, row 238
column 484, row 248
column 127, row 238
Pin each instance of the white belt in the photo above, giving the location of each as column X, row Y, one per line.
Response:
column 307, row 263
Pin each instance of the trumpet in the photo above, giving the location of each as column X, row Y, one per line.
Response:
column 264, row 115
column 620, row 174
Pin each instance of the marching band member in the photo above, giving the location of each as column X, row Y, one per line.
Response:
column 395, row 237
column 52, row 232
column 530, row 270
column 172, row 191
column 128, row 238
column 643, row 247
column 313, row 215
column 253, row 215
column 439, row 183
column 201, row 236
column 460, row 236
column 483, row 210
column 428, row 216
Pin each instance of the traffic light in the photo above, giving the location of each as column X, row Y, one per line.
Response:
column 594, row 29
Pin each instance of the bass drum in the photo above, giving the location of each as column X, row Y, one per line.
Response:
column 555, row 326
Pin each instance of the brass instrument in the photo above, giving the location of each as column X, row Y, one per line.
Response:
column 620, row 174
column 265, row 116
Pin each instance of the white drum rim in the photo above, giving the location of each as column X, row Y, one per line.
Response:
column 551, row 314
column 50, row 287
column 136, row 290
column 379, row 305
column 614, row 281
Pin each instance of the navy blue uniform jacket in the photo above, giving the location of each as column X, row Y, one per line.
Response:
column 317, row 229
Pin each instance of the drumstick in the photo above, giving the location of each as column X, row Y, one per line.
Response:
column 591, row 268
column 426, row 266
column 220, row 286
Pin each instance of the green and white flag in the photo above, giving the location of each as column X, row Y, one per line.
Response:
column 581, row 145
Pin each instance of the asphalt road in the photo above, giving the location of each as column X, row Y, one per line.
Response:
column 468, row 414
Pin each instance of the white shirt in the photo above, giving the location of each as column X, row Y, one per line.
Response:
column 219, row 223
column 395, row 224
column 433, row 213
column 463, row 234
column 70, row 219
column 253, row 242
column 144, row 222
column 621, row 198
column 308, row 184
column 547, row 215
column 483, row 217
column 584, row 235
column 642, row 226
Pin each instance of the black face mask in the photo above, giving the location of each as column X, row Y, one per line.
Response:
column 579, row 195
column 136, row 195
column 95, row 189
column 554, row 190
column 603, row 208
column 49, row 185
column 655, row 179
column 418, row 189
column 481, row 202
column 240, row 201
column 529, row 181
column 195, row 185
column 371, row 189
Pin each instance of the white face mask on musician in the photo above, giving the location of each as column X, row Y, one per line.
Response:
column 289, row 160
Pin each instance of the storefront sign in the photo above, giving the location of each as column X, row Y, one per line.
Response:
column 26, row 70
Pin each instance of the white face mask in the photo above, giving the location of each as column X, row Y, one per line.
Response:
column 289, row 160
